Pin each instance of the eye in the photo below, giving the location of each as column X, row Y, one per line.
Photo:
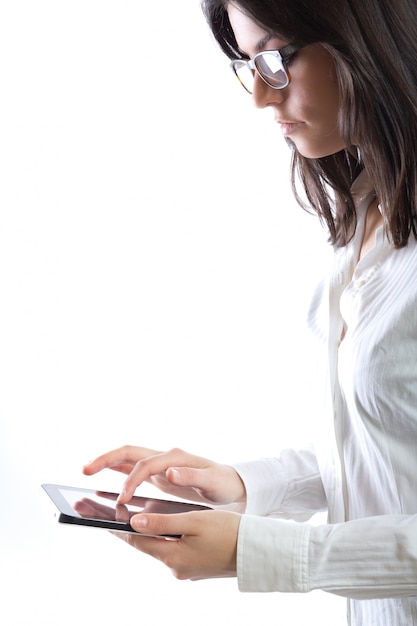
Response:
column 289, row 53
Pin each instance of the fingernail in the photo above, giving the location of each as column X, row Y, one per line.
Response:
column 139, row 521
column 121, row 496
column 175, row 474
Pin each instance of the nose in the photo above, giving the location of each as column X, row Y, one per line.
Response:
column 263, row 95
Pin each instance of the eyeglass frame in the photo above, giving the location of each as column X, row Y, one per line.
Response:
column 278, row 53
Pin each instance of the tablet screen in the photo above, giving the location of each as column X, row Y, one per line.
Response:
column 80, row 505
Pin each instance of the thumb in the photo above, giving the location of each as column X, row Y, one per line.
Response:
column 187, row 477
column 156, row 525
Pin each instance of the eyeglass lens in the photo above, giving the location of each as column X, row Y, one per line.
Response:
column 268, row 65
column 271, row 69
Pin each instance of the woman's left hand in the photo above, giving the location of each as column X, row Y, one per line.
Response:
column 206, row 549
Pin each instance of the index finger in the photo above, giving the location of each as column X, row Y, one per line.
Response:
column 121, row 459
column 154, row 464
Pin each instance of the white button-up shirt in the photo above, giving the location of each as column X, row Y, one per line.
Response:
column 368, row 482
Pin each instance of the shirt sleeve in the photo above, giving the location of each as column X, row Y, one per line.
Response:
column 367, row 558
column 287, row 486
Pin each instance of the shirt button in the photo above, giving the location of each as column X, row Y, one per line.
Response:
column 359, row 283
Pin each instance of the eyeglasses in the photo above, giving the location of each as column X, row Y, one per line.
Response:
column 271, row 65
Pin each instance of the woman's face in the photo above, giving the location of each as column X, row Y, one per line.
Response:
column 307, row 109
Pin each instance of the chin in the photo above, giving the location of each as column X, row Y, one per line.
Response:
column 314, row 152
column 309, row 152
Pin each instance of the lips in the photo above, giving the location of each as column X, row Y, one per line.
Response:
column 287, row 128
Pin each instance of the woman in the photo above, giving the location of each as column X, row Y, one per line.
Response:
column 341, row 79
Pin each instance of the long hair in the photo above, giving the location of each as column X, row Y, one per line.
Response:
column 374, row 47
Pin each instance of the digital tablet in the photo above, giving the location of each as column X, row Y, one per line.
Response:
column 87, row 507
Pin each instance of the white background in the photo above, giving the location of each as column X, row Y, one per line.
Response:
column 155, row 273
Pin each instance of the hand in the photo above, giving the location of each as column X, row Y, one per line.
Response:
column 175, row 472
column 206, row 549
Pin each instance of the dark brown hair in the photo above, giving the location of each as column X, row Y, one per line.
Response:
column 374, row 46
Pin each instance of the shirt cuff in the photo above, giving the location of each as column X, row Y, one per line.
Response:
column 272, row 555
column 266, row 485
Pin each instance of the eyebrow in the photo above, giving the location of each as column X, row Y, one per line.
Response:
column 262, row 42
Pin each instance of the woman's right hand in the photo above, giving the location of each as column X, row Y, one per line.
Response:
column 175, row 472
